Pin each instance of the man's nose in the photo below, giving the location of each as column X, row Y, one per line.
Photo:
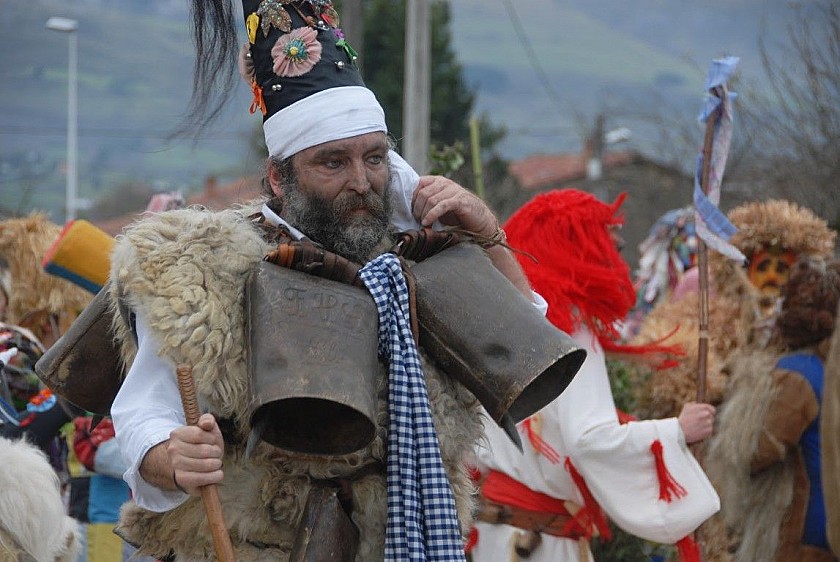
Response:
column 358, row 180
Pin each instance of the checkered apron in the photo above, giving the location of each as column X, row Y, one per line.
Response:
column 422, row 521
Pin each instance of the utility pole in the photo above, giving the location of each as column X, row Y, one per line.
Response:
column 595, row 165
column 353, row 21
column 417, row 85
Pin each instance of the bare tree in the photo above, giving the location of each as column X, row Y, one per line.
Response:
column 794, row 125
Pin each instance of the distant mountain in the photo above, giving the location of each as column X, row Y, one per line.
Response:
column 134, row 82
column 629, row 60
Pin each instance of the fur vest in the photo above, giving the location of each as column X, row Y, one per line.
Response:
column 186, row 271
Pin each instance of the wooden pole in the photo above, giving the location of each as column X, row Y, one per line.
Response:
column 703, row 266
column 417, row 85
column 209, row 493
column 475, row 145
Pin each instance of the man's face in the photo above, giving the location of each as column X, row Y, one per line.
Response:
column 341, row 196
column 769, row 270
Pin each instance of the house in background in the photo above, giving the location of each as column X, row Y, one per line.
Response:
column 652, row 188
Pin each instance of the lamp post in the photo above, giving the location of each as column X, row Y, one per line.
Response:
column 70, row 26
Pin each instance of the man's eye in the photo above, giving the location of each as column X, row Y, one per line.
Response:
column 333, row 164
column 376, row 159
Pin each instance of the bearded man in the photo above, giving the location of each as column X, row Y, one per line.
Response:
column 182, row 281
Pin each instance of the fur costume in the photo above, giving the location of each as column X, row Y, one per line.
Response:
column 186, row 271
column 735, row 318
column 755, row 457
column 23, row 244
column 738, row 332
column 830, row 429
column 33, row 524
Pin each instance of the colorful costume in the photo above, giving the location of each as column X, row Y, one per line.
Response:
column 667, row 253
column 579, row 463
column 743, row 306
column 741, row 315
column 829, row 429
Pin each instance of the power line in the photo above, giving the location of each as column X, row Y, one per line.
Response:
column 519, row 29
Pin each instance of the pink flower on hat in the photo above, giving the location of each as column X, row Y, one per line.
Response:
column 295, row 53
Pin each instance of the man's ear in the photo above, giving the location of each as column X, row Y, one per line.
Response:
column 275, row 180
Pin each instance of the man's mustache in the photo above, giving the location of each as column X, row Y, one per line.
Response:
column 348, row 202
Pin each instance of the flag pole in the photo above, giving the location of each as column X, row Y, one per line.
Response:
column 703, row 266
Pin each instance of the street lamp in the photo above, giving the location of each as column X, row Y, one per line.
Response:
column 70, row 26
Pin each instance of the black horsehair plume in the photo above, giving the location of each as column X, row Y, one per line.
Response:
column 215, row 71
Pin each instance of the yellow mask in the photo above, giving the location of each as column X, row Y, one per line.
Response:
column 769, row 270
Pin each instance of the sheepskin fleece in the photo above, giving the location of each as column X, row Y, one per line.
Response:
column 752, row 506
column 186, row 271
column 33, row 525
column 23, row 243
column 830, row 444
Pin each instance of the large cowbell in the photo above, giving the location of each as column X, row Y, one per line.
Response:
column 485, row 334
column 312, row 360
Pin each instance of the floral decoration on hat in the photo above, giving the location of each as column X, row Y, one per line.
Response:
column 296, row 53
column 272, row 13
column 252, row 23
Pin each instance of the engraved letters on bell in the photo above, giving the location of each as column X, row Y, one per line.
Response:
column 312, row 358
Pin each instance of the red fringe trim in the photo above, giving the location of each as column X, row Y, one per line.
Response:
column 474, row 473
column 472, row 540
column 688, row 550
column 539, row 444
column 669, row 488
column 590, row 505
column 624, row 417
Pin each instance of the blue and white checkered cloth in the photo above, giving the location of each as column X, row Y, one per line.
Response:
column 422, row 521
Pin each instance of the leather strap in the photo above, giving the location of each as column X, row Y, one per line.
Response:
column 306, row 256
column 417, row 245
column 555, row 524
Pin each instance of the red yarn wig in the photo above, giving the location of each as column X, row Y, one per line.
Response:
column 580, row 272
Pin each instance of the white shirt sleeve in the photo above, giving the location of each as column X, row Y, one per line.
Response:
column 146, row 409
column 617, row 462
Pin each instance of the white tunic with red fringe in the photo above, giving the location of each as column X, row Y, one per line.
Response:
column 641, row 474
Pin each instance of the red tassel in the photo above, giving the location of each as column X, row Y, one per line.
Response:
column 668, row 486
column 474, row 473
column 624, row 417
column 688, row 550
column 472, row 540
column 539, row 444
column 589, row 503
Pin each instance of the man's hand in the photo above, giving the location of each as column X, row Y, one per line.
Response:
column 195, row 454
column 440, row 199
column 697, row 421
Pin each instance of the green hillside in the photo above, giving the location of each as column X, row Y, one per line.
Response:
column 567, row 41
column 134, row 84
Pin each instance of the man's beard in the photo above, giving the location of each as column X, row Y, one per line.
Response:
column 334, row 223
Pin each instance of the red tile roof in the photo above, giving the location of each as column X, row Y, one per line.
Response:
column 543, row 170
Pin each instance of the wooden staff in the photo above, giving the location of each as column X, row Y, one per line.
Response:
column 703, row 265
column 209, row 493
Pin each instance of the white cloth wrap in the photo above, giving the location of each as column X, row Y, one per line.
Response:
column 329, row 115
